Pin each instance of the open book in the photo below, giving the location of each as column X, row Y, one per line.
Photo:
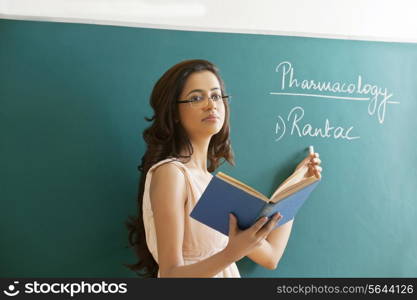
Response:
column 225, row 194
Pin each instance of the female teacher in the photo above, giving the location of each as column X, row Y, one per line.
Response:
column 188, row 138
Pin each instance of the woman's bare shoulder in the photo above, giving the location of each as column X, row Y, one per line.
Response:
column 168, row 179
column 168, row 171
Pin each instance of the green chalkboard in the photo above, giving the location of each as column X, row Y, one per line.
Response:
column 73, row 99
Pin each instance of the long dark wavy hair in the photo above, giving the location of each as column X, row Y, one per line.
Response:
column 166, row 138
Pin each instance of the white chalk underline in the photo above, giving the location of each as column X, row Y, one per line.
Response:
column 321, row 96
column 326, row 96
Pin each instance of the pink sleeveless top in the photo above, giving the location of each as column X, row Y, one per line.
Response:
column 200, row 241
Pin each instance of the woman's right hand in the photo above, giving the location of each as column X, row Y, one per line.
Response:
column 242, row 242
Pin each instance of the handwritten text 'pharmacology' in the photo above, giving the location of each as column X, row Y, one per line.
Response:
column 376, row 97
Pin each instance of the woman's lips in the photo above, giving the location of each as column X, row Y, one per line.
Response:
column 211, row 118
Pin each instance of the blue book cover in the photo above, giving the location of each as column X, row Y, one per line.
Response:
column 225, row 195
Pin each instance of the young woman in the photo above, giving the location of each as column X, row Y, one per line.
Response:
column 187, row 140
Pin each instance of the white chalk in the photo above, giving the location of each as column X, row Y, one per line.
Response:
column 311, row 149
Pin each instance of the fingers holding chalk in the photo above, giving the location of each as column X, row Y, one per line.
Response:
column 314, row 164
column 311, row 151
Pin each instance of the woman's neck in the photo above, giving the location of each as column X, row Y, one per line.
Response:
column 198, row 159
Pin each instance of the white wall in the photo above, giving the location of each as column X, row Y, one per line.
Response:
column 384, row 20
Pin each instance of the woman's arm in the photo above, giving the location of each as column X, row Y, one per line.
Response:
column 168, row 196
column 269, row 253
column 271, row 250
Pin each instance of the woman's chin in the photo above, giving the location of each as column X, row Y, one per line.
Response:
column 213, row 130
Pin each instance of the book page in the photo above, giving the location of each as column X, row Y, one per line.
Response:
column 242, row 186
column 295, row 177
column 293, row 188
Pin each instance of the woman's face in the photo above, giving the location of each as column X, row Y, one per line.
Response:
column 192, row 117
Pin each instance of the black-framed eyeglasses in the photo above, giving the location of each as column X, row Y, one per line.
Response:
column 201, row 101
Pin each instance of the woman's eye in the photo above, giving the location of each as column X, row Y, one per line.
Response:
column 216, row 97
column 196, row 98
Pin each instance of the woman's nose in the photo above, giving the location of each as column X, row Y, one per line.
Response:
column 210, row 103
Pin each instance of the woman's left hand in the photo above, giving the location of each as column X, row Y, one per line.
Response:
column 310, row 166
